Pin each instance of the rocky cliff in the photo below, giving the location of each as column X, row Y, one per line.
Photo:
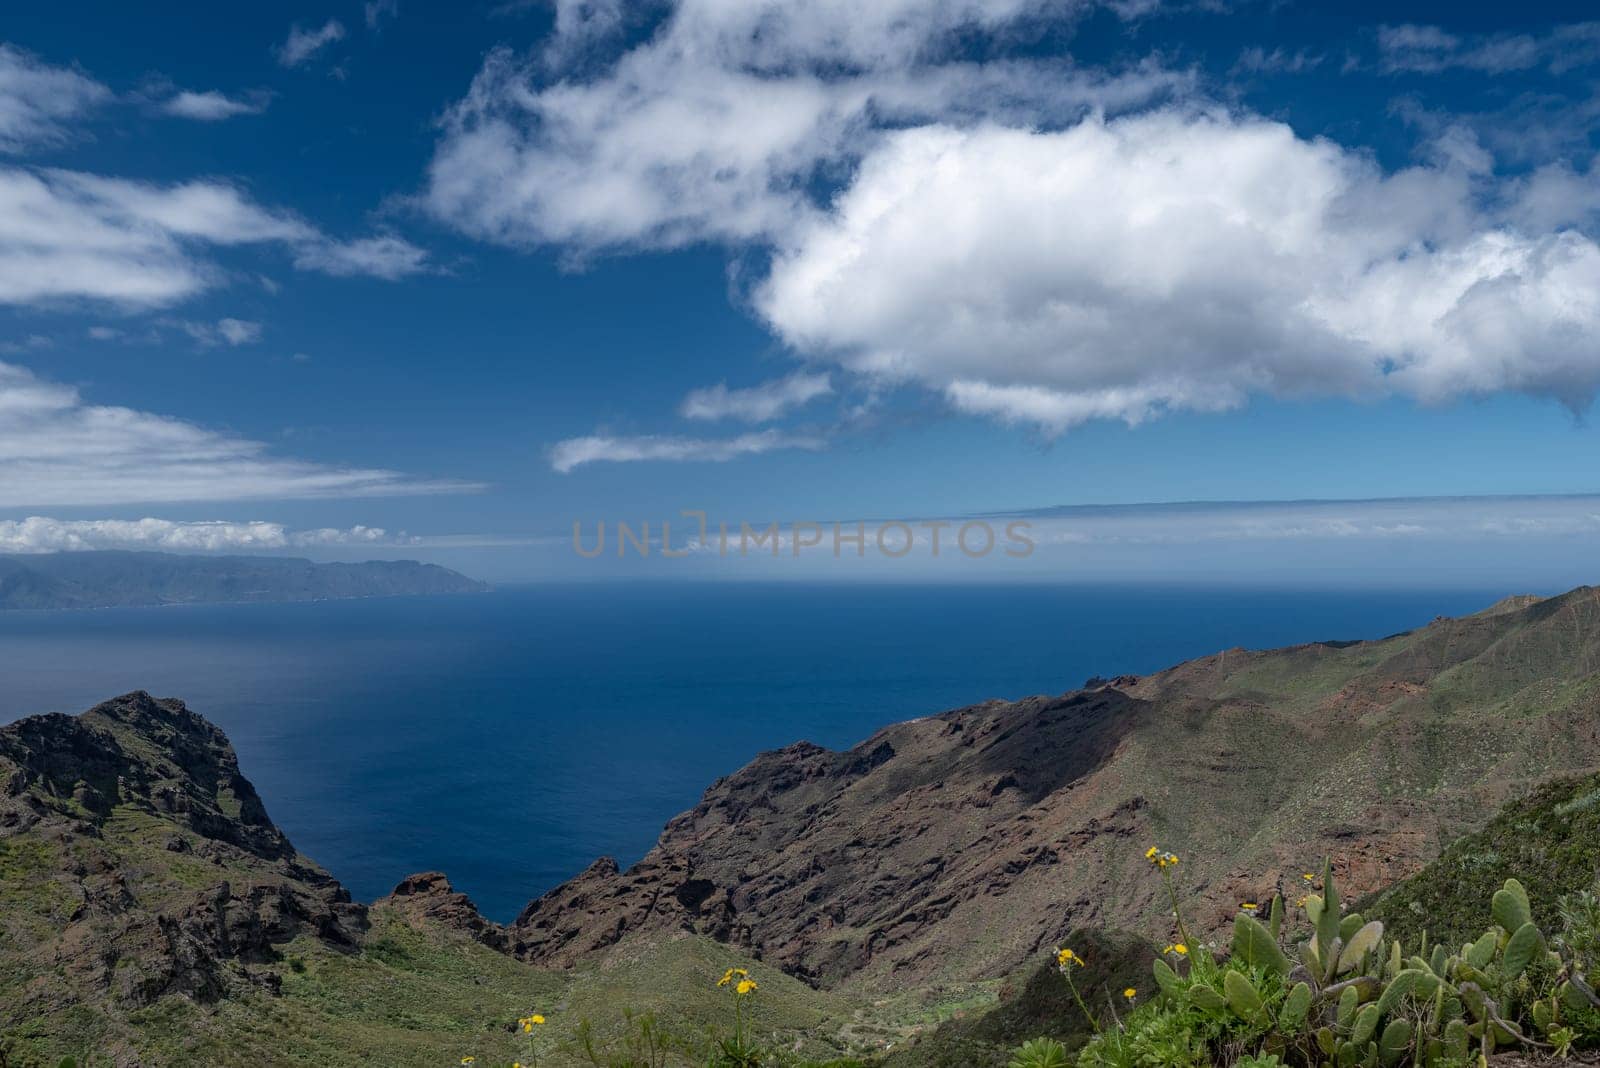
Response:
column 138, row 862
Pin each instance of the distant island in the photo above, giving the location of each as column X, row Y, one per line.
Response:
column 129, row 579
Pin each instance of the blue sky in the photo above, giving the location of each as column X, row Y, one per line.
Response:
column 285, row 277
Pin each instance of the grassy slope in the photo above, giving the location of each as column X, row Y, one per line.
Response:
column 1550, row 840
column 1037, row 1002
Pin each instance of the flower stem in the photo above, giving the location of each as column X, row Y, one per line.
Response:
column 1172, row 895
column 1078, row 998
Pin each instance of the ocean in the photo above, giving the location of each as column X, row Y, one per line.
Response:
column 510, row 738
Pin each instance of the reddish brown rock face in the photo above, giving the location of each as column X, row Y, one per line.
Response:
column 960, row 845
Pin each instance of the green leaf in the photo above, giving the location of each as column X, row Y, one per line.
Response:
column 1295, row 1007
column 1525, row 944
column 1167, row 979
column 1398, row 987
column 1242, row 996
column 1365, row 1024
column 1347, row 1006
column 1040, row 1053
column 1206, row 998
column 1365, row 940
column 1396, row 1041
column 1481, row 952
column 1254, row 945
column 1510, row 906
column 1328, row 917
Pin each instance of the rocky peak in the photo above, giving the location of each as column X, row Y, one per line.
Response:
column 166, row 874
column 428, row 897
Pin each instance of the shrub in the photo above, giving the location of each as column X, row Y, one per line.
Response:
column 1040, row 1053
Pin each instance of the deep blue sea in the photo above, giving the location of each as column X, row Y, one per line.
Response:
column 510, row 738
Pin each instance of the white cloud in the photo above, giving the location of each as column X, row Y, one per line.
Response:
column 57, row 450
column 713, row 129
column 756, row 404
column 66, row 234
column 41, row 534
column 37, row 100
column 1031, row 242
column 575, row 452
column 385, row 257
column 239, row 331
column 212, row 106
column 1172, row 260
column 232, row 332
column 302, row 44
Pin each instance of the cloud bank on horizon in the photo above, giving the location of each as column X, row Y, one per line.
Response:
column 1028, row 240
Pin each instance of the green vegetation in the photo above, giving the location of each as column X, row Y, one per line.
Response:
column 1548, row 839
column 1343, row 994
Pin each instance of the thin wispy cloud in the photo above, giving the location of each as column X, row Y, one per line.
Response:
column 1431, row 49
column 71, row 235
column 212, row 105
column 568, row 455
column 302, row 44
column 377, row 10
column 230, row 332
column 38, row 102
column 56, row 449
column 1407, row 518
column 756, row 404
column 386, row 257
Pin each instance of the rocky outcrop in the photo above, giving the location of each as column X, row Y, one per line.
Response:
column 960, row 845
column 149, row 861
column 428, row 898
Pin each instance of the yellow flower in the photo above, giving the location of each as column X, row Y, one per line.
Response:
column 1130, row 993
column 536, row 1018
column 1308, row 877
column 1150, row 854
column 728, row 976
column 1249, row 906
column 1065, row 957
column 745, row 986
column 469, row 1060
column 1302, row 902
column 1177, row 947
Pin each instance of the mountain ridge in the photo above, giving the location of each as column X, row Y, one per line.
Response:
column 958, row 846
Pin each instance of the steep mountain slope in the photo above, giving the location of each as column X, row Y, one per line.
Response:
column 118, row 579
column 961, row 845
